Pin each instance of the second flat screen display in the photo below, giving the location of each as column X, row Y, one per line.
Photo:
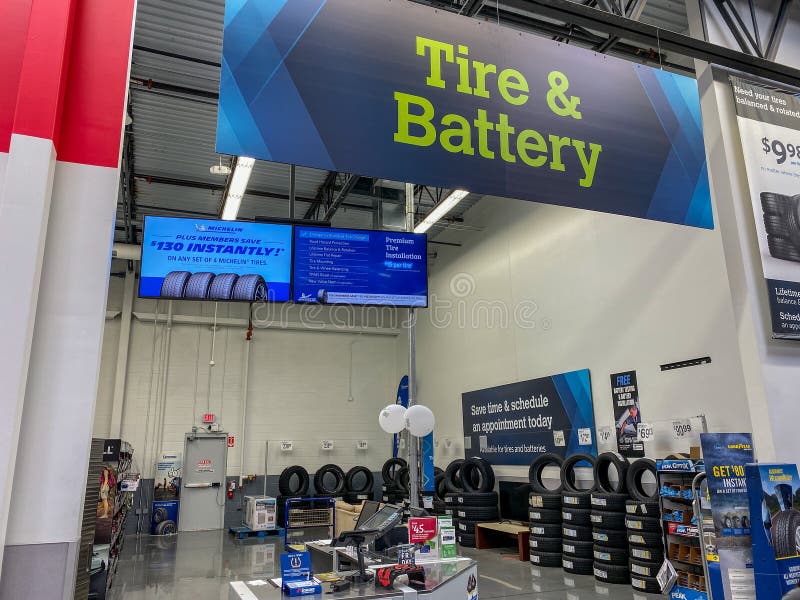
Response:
column 350, row 266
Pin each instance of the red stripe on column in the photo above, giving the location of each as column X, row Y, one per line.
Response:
column 13, row 34
column 44, row 69
column 94, row 101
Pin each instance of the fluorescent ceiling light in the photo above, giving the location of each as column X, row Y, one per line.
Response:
column 237, row 187
column 440, row 210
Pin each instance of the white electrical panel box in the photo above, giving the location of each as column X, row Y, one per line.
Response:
column 260, row 513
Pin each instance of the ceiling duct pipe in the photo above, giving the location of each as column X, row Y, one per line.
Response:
column 126, row 251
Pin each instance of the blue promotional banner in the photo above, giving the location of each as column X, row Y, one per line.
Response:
column 351, row 266
column 512, row 424
column 199, row 259
column 725, row 456
column 392, row 89
column 774, row 491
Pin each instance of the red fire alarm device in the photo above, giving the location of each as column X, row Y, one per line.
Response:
column 231, row 441
column 209, row 418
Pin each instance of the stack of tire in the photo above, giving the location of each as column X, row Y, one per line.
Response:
column 544, row 514
column 358, row 485
column 293, row 483
column 643, row 524
column 471, row 498
column 396, row 478
column 609, row 501
column 576, row 511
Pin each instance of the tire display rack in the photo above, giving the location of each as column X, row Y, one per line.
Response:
column 688, row 530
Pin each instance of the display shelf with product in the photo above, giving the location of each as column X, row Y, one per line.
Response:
column 685, row 544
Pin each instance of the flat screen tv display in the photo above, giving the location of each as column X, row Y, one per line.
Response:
column 360, row 267
column 202, row 259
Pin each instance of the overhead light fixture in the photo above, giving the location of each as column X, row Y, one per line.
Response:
column 440, row 210
column 237, row 187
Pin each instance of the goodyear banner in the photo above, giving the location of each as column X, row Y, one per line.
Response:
column 512, row 424
column 769, row 127
column 391, row 89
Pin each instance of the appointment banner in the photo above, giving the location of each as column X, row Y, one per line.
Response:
column 769, row 127
column 512, row 424
column 391, row 89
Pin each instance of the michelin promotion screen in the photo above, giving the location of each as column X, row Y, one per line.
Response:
column 197, row 259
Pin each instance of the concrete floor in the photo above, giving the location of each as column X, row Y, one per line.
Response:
column 199, row 566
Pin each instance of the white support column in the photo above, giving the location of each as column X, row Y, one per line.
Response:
column 771, row 367
column 121, row 372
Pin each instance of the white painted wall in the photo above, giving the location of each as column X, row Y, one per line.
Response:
column 298, row 386
column 593, row 290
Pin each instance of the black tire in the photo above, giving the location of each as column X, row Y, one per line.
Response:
column 160, row 515
column 485, row 499
column 613, row 556
column 350, row 480
column 776, row 225
column 477, row 475
column 465, row 539
column 546, row 559
column 604, row 519
column 602, row 466
column 451, row 499
column 609, row 573
column 250, row 288
column 642, row 524
column 648, row 585
column 544, row 544
column 645, row 569
column 477, row 513
column 535, row 472
column 568, row 480
column 167, row 527
column 576, row 532
column 465, row 526
column 610, row 538
column 773, row 204
column 577, row 549
column 783, row 248
column 646, row 539
column 634, row 480
column 609, row 502
column 546, row 530
column 174, row 284
column 402, row 481
column 653, row 555
column 644, row 509
column 577, row 566
column 544, row 515
column 320, row 486
column 222, row 286
column 389, row 471
column 786, row 533
column 544, row 501
column 577, row 516
column 576, row 499
column 285, row 486
column 198, row 285
column 440, row 486
column 453, row 476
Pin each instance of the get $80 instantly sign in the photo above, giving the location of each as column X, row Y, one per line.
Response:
column 449, row 66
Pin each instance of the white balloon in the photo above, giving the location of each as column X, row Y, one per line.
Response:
column 420, row 420
column 392, row 418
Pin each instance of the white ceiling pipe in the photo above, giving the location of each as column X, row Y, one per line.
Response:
column 126, row 251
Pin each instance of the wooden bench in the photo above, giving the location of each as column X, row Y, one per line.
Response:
column 493, row 535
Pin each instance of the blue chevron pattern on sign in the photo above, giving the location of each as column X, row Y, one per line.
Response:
column 396, row 90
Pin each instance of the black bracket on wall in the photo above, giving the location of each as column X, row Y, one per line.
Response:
column 694, row 362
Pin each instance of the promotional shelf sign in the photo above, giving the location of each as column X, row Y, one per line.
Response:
column 726, row 455
column 512, row 424
column 392, row 89
column 774, row 491
column 769, row 127
column 627, row 414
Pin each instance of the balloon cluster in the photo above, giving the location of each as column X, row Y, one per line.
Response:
column 418, row 419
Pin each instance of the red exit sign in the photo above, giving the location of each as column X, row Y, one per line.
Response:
column 209, row 418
